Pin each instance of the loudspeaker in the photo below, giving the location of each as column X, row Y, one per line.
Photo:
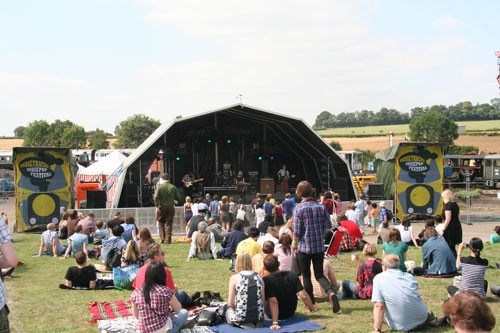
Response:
column 376, row 191
column 96, row 199
column 129, row 196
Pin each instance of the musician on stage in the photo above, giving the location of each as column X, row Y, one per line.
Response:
column 188, row 181
column 283, row 177
column 240, row 183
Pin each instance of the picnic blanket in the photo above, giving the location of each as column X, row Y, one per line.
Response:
column 109, row 310
column 117, row 325
column 293, row 324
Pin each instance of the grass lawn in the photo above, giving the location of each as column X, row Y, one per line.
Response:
column 486, row 125
column 38, row 305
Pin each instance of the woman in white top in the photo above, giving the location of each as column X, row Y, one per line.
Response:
column 406, row 231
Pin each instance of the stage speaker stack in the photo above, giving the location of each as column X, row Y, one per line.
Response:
column 96, row 199
column 340, row 187
column 376, row 191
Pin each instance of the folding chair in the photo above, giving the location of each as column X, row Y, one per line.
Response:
column 333, row 247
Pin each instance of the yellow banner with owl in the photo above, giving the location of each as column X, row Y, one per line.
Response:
column 419, row 179
column 43, row 185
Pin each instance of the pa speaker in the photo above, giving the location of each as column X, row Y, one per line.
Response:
column 96, row 199
column 376, row 191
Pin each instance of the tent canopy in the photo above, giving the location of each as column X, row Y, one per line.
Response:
column 249, row 138
column 105, row 166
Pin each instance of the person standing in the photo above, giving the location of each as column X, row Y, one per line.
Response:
column 188, row 182
column 165, row 197
column 310, row 222
column 359, row 209
column 288, row 206
column 8, row 259
column 452, row 232
column 283, row 177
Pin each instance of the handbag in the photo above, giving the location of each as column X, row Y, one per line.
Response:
column 295, row 265
column 207, row 317
column 124, row 276
column 241, row 214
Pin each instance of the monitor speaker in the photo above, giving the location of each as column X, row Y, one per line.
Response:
column 96, row 199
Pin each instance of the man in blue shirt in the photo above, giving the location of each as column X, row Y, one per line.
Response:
column 288, row 206
column 310, row 222
column 396, row 299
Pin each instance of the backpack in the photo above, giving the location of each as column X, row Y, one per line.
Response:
column 114, row 258
column 63, row 233
column 389, row 215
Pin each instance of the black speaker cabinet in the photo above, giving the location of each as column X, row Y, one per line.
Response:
column 96, row 199
column 376, row 191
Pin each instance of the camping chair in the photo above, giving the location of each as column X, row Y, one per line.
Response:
column 333, row 247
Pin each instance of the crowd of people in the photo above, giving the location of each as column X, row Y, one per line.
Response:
column 279, row 260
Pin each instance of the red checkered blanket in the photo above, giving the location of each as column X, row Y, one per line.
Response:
column 110, row 310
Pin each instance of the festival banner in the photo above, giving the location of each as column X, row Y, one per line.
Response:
column 419, row 179
column 43, row 186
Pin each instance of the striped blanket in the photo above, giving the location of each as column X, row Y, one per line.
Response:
column 109, row 310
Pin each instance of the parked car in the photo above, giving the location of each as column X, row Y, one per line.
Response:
column 7, row 185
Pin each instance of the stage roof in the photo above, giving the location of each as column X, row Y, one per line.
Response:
column 250, row 138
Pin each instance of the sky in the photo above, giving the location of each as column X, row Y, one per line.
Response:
column 98, row 62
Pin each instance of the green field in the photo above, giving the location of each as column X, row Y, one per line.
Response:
column 38, row 305
column 484, row 126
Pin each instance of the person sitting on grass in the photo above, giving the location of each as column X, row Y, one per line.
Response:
column 132, row 255
column 258, row 259
column 81, row 276
column 113, row 242
column 202, row 244
column 246, row 295
column 319, row 294
column 397, row 247
column 281, row 289
column 156, row 254
column 495, row 237
column 101, row 232
column 232, row 239
column 473, row 269
column 155, row 305
column 50, row 242
column 437, row 256
column 468, row 312
column 366, row 272
column 77, row 242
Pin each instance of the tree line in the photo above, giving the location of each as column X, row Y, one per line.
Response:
column 463, row 111
column 130, row 133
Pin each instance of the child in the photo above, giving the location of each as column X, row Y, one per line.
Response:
column 374, row 217
column 495, row 238
column 100, row 232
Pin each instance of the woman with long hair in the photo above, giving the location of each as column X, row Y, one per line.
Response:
column 397, row 247
column 246, row 295
column 155, row 305
column 188, row 211
column 406, row 231
column 224, row 213
column 132, row 255
column 452, row 229
column 284, row 252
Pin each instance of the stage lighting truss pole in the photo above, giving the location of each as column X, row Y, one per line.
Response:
column 216, row 145
column 328, row 173
column 468, row 174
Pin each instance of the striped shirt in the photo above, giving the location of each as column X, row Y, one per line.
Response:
column 310, row 221
column 473, row 270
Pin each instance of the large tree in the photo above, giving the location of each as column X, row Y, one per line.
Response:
column 19, row 131
column 74, row 137
column 36, row 134
column 134, row 130
column 97, row 139
column 433, row 126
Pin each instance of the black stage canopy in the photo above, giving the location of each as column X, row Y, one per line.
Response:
column 256, row 141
